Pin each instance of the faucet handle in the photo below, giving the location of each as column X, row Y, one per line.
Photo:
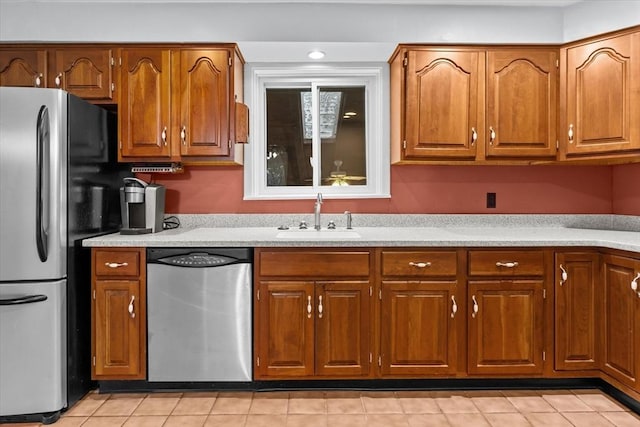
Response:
column 303, row 225
column 331, row 225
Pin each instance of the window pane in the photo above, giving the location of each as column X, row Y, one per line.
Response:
column 341, row 122
column 288, row 153
column 343, row 133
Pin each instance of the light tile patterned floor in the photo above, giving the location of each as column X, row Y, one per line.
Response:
column 547, row 408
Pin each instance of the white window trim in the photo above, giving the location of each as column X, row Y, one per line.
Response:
column 374, row 76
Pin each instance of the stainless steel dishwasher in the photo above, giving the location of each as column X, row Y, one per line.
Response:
column 199, row 314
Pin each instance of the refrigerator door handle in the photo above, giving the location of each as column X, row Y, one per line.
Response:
column 42, row 180
column 28, row 299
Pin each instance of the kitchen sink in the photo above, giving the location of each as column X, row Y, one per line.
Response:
column 312, row 234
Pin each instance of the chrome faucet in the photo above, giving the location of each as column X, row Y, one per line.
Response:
column 348, row 215
column 316, row 212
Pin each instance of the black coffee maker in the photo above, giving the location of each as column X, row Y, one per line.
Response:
column 142, row 206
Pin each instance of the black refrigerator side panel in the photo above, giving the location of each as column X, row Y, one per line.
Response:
column 95, row 178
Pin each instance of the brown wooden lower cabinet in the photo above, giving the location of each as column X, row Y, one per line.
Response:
column 419, row 328
column 577, row 311
column 505, row 327
column 621, row 358
column 118, row 304
column 313, row 329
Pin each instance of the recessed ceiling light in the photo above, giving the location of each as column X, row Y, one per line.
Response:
column 316, row 54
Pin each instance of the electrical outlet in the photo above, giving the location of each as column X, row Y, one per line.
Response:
column 491, row 200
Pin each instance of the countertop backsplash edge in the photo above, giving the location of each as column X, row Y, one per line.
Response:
column 587, row 221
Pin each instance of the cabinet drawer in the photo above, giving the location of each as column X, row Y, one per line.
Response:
column 109, row 262
column 506, row 263
column 314, row 263
column 419, row 263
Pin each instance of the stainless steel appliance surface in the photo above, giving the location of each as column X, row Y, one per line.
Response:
column 199, row 314
column 59, row 180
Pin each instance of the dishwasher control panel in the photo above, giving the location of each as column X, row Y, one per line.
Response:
column 198, row 260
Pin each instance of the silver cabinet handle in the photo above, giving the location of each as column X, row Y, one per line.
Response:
column 474, row 136
column 634, row 284
column 564, row 275
column 164, row 136
column 132, row 313
column 309, row 307
column 571, row 133
column 116, row 264
column 419, row 264
column 454, row 306
column 38, row 80
column 58, row 80
column 320, row 307
column 492, row 135
column 183, row 135
column 507, row 264
column 476, row 308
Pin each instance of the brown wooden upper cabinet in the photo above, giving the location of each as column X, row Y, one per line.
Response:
column 601, row 96
column 443, row 105
column 145, row 109
column 473, row 104
column 26, row 67
column 179, row 104
column 522, row 86
column 86, row 72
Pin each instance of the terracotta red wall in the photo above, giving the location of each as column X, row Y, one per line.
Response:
column 626, row 189
column 425, row 189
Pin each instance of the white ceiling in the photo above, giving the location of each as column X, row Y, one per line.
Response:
column 538, row 3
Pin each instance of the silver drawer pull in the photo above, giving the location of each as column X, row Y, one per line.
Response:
column 476, row 308
column 564, row 275
column 419, row 264
column 634, row 284
column 507, row 264
column 454, row 306
column 116, row 264
column 131, row 308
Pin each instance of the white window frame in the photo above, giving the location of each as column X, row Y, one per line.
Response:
column 375, row 79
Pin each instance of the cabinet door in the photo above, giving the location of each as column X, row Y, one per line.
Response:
column 285, row 330
column 85, row 72
column 418, row 328
column 23, row 67
column 144, row 109
column 505, row 327
column 603, row 96
column 444, row 103
column 342, row 329
column 621, row 319
column 521, row 103
column 204, row 102
column 576, row 311
column 118, row 313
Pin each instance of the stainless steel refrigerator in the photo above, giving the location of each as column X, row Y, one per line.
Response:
column 59, row 181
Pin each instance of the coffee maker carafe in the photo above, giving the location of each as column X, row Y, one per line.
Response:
column 142, row 206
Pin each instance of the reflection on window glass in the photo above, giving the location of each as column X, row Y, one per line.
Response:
column 340, row 118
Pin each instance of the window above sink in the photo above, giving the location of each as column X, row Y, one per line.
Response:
column 318, row 128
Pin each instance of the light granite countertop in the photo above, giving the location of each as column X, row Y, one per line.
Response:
column 443, row 231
